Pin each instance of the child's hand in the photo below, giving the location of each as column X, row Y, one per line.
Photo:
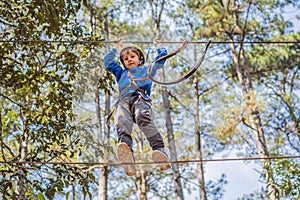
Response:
column 157, row 42
column 118, row 43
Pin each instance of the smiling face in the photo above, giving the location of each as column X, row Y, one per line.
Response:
column 130, row 59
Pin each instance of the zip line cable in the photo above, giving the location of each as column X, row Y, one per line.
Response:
column 144, row 42
column 145, row 163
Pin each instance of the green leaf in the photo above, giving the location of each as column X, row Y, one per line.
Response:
column 41, row 196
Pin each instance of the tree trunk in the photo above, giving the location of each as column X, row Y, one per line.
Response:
column 262, row 150
column 200, row 170
column 98, row 113
column 141, row 185
column 103, row 180
column 107, row 111
column 73, row 192
column 172, row 146
column 156, row 11
column 141, row 176
column 102, row 187
column 244, row 78
column 23, row 155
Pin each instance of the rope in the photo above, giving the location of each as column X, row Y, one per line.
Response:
column 173, row 53
column 144, row 42
column 145, row 163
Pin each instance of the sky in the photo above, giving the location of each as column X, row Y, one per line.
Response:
column 243, row 178
column 291, row 14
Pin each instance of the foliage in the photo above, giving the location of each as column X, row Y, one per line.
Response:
column 271, row 61
column 219, row 21
column 36, row 97
column 287, row 178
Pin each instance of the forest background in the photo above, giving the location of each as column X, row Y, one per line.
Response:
column 55, row 96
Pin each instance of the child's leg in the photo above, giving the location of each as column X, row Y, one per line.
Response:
column 123, row 123
column 143, row 116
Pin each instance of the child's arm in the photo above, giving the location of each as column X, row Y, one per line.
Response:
column 109, row 62
column 110, row 56
column 161, row 51
column 118, row 44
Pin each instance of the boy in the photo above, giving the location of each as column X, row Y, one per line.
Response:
column 134, row 105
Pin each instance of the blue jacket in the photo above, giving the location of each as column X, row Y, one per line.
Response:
column 122, row 75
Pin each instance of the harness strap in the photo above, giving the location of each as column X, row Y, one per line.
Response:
column 139, row 90
column 134, row 85
column 137, row 79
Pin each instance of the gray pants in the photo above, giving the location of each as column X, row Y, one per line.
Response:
column 135, row 109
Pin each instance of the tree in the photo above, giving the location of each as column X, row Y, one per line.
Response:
column 201, row 179
column 157, row 10
column 277, row 68
column 101, row 14
column 232, row 20
column 36, row 98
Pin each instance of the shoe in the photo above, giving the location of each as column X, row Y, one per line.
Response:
column 159, row 156
column 125, row 156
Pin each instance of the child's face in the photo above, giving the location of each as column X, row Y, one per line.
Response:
column 131, row 59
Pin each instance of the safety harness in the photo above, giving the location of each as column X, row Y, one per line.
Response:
column 134, row 85
column 140, row 91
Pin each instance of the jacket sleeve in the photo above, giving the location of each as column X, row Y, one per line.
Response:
column 161, row 51
column 111, row 65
